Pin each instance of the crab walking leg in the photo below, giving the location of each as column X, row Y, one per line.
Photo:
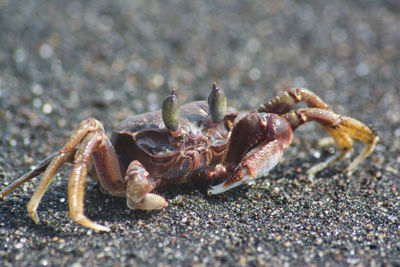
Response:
column 343, row 130
column 41, row 167
column 138, row 186
column 62, row 156
column 77, row 180
column 352, row 129
column 284, row 102
column 107, row 168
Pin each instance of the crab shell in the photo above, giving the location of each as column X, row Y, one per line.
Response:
column 188, row 156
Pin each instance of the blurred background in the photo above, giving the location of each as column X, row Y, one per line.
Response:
column 64, row 61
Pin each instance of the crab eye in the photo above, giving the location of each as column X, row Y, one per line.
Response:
column 170, row 112
column 217, row 104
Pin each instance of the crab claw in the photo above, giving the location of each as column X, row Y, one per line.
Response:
column 170, row 112
column 217, row 104
column 149, row 202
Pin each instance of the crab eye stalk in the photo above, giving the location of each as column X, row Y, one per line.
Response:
column 217, row 104
column 170, row 112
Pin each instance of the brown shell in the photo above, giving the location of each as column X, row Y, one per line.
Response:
column 145, row 138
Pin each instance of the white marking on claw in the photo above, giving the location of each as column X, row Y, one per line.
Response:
column 220, row 188
column 262, row 170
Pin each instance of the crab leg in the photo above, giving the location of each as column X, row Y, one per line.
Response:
column 41, row 167
column 108, row 169
column 77, row 179
column 343, row 130
column 61, row 156
column 44, row 183
column 284, row 102
column 351, row 129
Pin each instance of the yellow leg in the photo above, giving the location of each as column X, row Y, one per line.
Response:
column 344, row 131
column 352, row 129
column 344, row 134
column 63, row 155
column 44, row 183
column 77, row 179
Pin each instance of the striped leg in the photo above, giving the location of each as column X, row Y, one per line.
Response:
column 344, row 131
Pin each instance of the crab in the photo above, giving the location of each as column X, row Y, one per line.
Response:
column 197, row 142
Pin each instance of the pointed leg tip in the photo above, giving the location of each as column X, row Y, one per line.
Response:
column 348, row 171
column 101, row 228
column 3, row 193
column 96, row 227
column 6, row 190
column 312, row 171
column 34, row 216
column 85, row 222
column 310, row 176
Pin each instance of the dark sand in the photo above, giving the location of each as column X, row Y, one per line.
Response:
column 64, row 61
